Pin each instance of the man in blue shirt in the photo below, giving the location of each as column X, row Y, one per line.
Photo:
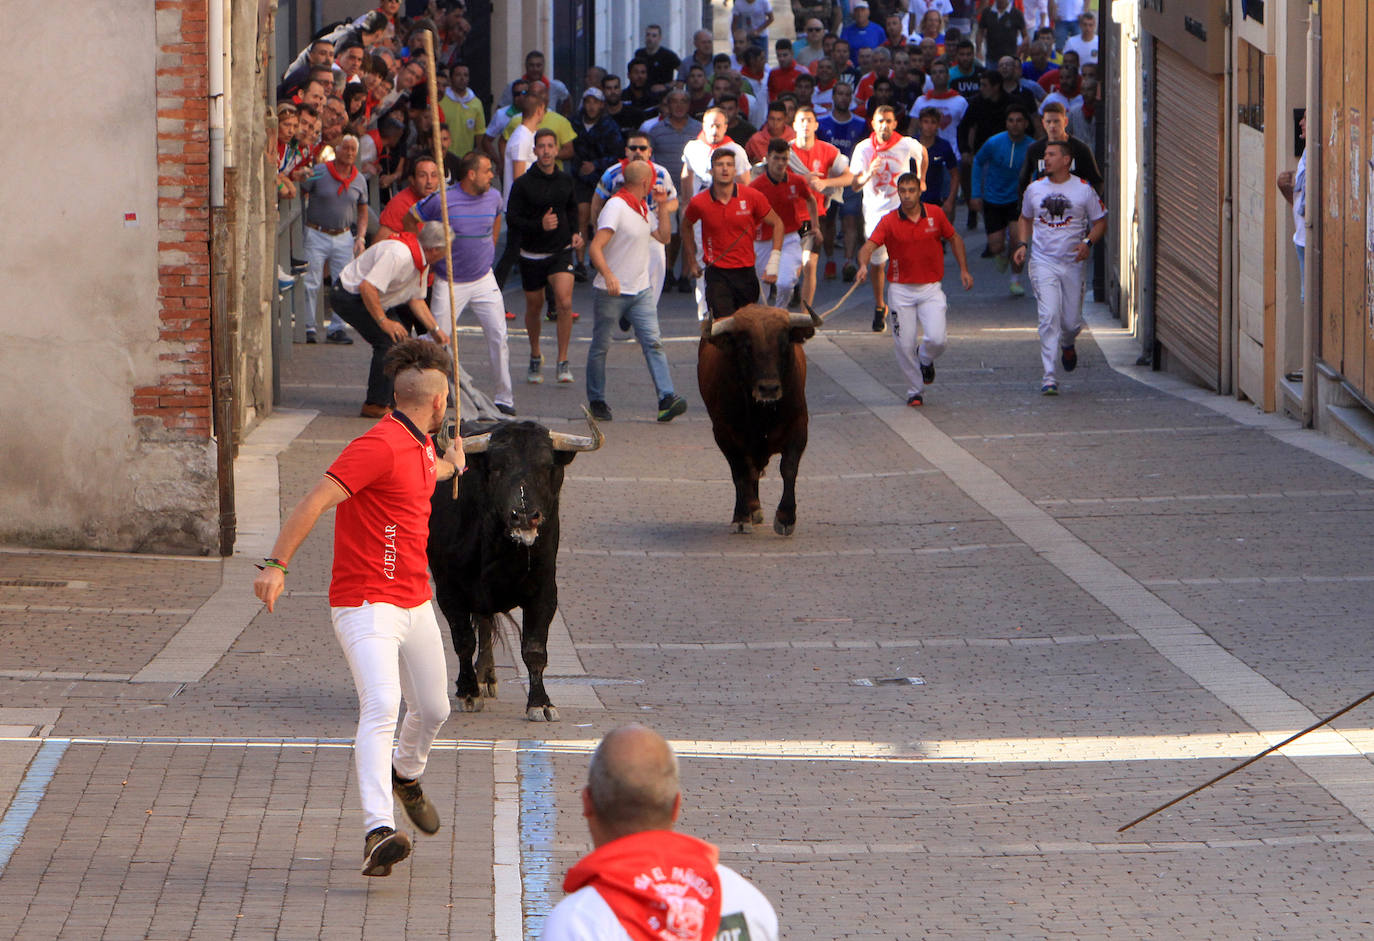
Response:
column 995, row 189
column 862, row 34
column 842, row 128
column 942, row 173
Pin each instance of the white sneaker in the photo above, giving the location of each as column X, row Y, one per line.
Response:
column 565, row 372
column 535, row 376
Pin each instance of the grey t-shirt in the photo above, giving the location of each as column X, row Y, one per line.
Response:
column 329, row 208
column 668, row 142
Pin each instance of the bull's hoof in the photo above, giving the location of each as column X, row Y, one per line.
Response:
column 756, row 517
column 489, row 689
column 471, row 703
column 781, row 528
column 739, row 526
column 542, row 714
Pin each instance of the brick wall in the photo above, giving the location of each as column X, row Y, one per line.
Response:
column 180, row 401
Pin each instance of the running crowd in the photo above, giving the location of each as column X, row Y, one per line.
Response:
column 712, row 173
column 816, row 129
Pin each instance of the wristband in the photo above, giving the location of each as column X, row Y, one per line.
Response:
column 774, row 262
column 271, row 564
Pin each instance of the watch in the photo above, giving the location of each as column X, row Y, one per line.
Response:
column 1087, row 241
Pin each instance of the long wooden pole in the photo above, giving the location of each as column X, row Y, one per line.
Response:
column 1249, row 761
column 448, row 232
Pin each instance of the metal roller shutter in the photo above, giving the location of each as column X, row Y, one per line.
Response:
column 1188, row 194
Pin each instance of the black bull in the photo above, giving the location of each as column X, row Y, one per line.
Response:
column 495, row 548
column 751, row 370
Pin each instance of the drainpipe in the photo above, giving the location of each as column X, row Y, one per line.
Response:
column 1312, row 258
column 221, row 360
column 1225, row 381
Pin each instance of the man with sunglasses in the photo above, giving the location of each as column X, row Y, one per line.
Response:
column 814, row 48
column 639, row 147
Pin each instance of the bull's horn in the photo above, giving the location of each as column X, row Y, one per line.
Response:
column 476, row 444
column 566, row 442
column 801, row 320
column 816, row 320
column 724, row 325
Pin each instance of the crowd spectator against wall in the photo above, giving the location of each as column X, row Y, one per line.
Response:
column 946, row 67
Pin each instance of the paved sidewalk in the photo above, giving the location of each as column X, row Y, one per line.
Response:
column 1107, row 596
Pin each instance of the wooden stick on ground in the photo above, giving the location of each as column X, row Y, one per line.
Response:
column 448, row 233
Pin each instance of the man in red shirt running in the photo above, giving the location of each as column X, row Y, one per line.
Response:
column 424, row 179
column 795, row 205
column 379, row 594
column 826, row 169
column 728, row 215
column 914, row 234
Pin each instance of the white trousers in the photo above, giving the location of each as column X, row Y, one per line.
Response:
column 699, row 284
column 484, row 297
column 917, row 306
column 1058, row 290
column 321, row 248
column 788, row 270
column 393, row 653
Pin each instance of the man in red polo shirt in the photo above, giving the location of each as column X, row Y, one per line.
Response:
column 827, row 171
column 914, row 234
column 379, row 597
column 728, row 214
column 424, row 179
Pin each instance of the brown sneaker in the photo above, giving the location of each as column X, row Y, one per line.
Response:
column 418, row 807
column 382, row 849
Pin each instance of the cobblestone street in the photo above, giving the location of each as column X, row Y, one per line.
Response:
column 1103, row 599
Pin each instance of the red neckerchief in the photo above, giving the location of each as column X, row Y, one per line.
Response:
column 662, row 886
column 343, row 183
column 639, row 205
column 412, row 241
column 891, row 142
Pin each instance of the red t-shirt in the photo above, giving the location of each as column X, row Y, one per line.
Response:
column 817, row 159
column 381, row 530
column 788, row 200
column 393, row 216
column 726, row 227
column 915, row 247
column 782, row 80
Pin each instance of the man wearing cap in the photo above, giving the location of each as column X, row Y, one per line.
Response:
column 862, row 33
column 381, row 294
column 598, row 145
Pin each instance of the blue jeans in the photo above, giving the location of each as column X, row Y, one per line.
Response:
column 1302, row 271
column 643, row 316
column 1063, row 29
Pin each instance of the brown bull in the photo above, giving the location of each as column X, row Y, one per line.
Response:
column 751, row 370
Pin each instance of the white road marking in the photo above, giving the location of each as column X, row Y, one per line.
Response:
column 1255, row 699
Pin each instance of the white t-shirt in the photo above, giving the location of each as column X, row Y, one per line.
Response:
column 696, row 156
column 952, row 107
column 627, row 253
column 1069, row 103
column 585, row 916
column 388, row 267
column 519, row 147
column 1061, row 215
column 1300, row 202
column 1086, row 48
column 754, row 13
column 1068, row 10
column 880, row 192
column 498, row 122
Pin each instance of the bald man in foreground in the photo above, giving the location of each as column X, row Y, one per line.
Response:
column 643, row 880
column 379, row 596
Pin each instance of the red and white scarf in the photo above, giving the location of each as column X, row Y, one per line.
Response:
column 662, row 886
column 343, row 182
column 639, row 205
column 412, row 241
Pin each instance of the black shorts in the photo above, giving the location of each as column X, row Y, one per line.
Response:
column 729, row 289
column 534, row 272
column 583, row 192
column 997, row 216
